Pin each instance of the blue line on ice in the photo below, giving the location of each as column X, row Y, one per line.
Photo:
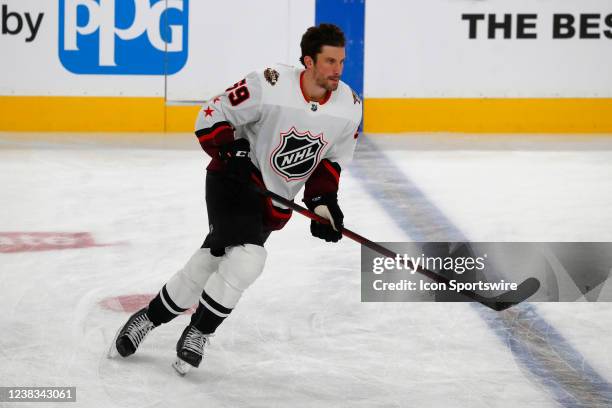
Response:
column 538, row 346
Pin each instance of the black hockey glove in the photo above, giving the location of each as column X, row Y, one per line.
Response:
column 326, row 206
column 236, row 157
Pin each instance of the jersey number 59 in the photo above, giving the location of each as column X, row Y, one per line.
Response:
column 238, row 93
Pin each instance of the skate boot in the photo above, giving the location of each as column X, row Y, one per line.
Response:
column 132, row 333
column 189, row 349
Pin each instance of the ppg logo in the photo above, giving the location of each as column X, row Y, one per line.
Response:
column 123, row 37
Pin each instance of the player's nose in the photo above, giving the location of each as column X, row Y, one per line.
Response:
column 338, row 68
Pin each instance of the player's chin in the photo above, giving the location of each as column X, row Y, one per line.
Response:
column 332, row 85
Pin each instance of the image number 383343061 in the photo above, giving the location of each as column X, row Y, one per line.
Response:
column 123, row 37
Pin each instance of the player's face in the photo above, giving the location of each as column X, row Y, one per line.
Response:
column 328, row 67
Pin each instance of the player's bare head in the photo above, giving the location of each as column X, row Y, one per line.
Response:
column 316, row 37
column 323, row 54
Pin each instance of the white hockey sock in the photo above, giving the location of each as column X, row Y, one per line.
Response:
column 239, row 268
column 185, row 287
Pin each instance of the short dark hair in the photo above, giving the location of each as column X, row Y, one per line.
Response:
column 316, row 37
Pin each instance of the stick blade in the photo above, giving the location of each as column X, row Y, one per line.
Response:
column 181, row 367
column 524, row 291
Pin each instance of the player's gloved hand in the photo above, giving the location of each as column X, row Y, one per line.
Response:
column 326, row 206
column 236, row 157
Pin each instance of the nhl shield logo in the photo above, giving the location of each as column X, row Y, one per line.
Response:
column 297, row 154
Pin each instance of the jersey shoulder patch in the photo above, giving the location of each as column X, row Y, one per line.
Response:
column 275, row 75
column 350, row 102
column 349, row 96
column 271, row 75
column 356, row 99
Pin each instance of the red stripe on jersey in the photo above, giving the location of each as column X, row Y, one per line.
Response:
column 214, row 133
column 332, row 170
column 325, row 98
column 276, row 213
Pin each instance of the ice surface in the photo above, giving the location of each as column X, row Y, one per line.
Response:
column 300, row 335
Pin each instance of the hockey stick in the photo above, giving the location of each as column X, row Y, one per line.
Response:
column 498, row 303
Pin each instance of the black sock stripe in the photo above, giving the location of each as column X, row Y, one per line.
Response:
column 171, row 303
column 211, row 302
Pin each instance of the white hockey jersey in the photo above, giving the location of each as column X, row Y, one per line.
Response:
column 288, row 135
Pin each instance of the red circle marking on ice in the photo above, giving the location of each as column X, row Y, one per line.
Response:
column 131, row 303
column 46, row 241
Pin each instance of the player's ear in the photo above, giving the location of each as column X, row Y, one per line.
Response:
column 308, row 61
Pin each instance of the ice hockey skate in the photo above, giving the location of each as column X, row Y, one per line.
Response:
column 129, row 337
column 190, row 349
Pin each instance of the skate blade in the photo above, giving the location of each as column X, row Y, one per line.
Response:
column 112, row 350
column 181, row 367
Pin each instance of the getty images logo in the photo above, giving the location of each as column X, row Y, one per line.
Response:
column 123, row 37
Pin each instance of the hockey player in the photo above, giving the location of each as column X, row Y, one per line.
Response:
column 282, row 128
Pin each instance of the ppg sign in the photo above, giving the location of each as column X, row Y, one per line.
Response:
column 123, row 37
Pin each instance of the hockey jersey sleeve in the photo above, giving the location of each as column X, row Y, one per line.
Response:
column 326, row 177
column 218, row 118
column 342, row 152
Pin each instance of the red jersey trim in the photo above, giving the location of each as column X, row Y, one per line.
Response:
column 211, row 135
column 325, row 99
column 276, row 213
column 332, row 170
